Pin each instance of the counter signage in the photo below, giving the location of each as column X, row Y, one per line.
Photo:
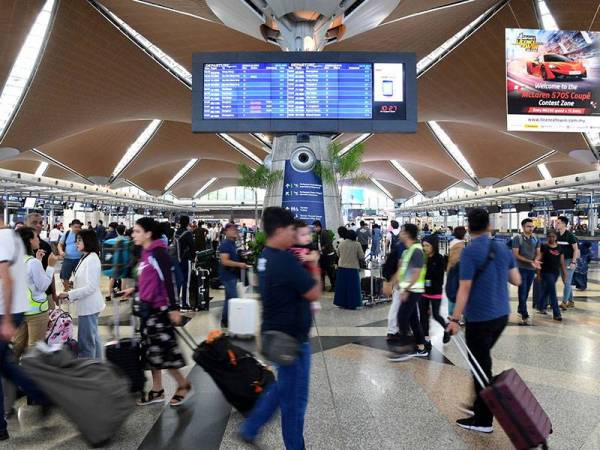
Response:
column 303, row 194
column 553, row 80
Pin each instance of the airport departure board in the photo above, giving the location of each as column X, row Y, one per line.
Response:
column 303, row 92
column 289, row 91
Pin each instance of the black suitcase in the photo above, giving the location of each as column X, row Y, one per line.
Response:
column 238, row 374
column 200, row 289
column 377, row 288
column 126, row 355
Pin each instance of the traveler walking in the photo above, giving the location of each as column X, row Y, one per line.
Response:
column 431, row 299
column 392, row 239
column 87, row 295
column 410, row 280
column 285, row 286
column 455, row 248
column 160, row 314
column 13, row 305
column 228, row 269
column 376, row 242
column 363, row 236
column 183, row 244
column 526, row 250
column 69, row 252
column 553, row 264
column 39, row 279
column 486, row 268
column 324, row 245
column 54, row 238
column 347, row 288
column 568, row 245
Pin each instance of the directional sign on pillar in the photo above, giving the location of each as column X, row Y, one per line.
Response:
column 303, row 194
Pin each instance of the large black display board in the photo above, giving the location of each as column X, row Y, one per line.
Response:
column 304, row 92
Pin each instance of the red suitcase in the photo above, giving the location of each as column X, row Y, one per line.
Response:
column 514, row 406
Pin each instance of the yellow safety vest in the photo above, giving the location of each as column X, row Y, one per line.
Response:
column 419, row 285
column 35, row 307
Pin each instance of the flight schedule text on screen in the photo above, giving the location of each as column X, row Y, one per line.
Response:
column 291, row 91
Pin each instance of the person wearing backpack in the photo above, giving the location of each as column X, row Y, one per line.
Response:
column 526, row 250
column 184, row 247
column 393, row 237
column 486, row 268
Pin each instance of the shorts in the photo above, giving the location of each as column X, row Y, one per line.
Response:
column 67, row 268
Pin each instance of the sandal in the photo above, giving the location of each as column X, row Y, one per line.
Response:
column 152, row 397
column 178, row 399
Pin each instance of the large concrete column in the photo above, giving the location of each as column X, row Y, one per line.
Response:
column 298, row 158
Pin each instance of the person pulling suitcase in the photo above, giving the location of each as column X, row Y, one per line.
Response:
column 159, row 313
column 486, row 268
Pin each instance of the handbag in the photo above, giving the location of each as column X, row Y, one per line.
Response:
column 279, row 347
column 140, row 308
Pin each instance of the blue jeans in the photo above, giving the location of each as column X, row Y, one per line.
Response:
column 88, row 336
column 290, row 394
column 527, row 277
column 549, row 293
column 230, row 292
column 11, row 370
column 568, row 288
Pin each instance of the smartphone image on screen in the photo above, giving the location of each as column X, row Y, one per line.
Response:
column 387, row 87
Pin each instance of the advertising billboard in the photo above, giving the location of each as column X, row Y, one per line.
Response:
column 552, row 80
column 303, row 194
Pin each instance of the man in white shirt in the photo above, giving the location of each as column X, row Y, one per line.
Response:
column 13, row 304
column 54, row 238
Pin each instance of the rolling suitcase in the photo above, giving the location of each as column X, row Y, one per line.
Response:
column 511, row 402
column 236, row 372
column 89, row 392
column 125, row 354
column 243, row 317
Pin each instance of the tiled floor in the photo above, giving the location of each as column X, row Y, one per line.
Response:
column 371, row 403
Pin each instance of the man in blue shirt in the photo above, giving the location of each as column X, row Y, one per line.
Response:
column 67, row 249
column 230, row 263
column 286, row 289
column 486, row 268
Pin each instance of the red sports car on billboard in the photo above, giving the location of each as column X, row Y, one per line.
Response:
column 552, row 66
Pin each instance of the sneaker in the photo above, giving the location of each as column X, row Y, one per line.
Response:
column 4, row 434
column 563, row 306
column 406, row 356
column 446, row 337
column 571, row 304
column 152, row 397
column 428, row 346
column 542, row 311
column 558, row 318
column 524, row 322
column 470, row 423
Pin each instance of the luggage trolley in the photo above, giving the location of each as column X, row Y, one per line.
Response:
column 372, row 286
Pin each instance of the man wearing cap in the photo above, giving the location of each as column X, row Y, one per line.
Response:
column 67, row 249
column 228, row 269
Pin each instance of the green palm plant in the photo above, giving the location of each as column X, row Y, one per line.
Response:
column 260, row 177
column 345, row 168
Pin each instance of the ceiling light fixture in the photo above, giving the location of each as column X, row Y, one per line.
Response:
column 161, row 57
column 173, row 10
column 405, row 173
column 134, row 149
column 24, row 66
column 41, row 170
column 359, row 140
column 205, row 187
column 381, row 188
column 240, row 148
column 452, row 149
column 182, row 173
column 546, row 16
column 544, row 171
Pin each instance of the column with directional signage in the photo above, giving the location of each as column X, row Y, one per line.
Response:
column 303, row 194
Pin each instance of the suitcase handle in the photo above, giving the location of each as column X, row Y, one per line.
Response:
column 478, row 373
column 186, row 337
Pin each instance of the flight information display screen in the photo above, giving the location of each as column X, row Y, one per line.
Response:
column 289, row 91
column 304, row 92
